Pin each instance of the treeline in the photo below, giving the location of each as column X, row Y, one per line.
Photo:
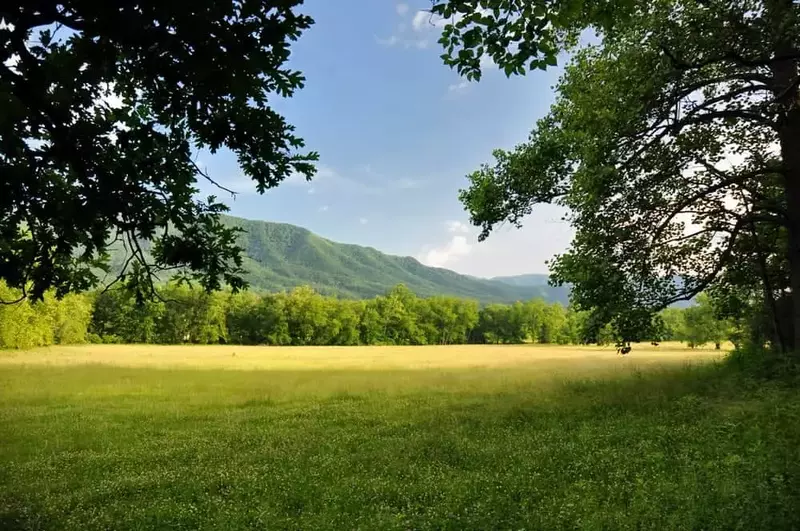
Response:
column 52, row 321
column 303, row 317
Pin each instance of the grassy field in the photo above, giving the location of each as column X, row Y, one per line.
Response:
column 517, row 437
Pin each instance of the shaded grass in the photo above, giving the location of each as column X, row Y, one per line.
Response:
column 101, row 447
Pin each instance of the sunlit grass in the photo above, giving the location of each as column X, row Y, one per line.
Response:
column 316, row 358
column 428, row 438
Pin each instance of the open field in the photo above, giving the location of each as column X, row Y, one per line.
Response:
column 316, row 358
column 518, row 437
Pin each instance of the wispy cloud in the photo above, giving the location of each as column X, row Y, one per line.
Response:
column 416, row 30
column 419, row 30
column 458, row 87
column 457, row 227
column 323, row 208
column 363, row 221
column 425, row 20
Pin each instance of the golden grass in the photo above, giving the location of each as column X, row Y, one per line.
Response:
column 368, row 358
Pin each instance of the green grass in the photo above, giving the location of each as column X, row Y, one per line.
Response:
column 517, row 447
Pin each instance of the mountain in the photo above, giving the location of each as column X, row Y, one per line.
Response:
column 562, row 293
column 279, row 256
column 533, row 279
column 536, row 280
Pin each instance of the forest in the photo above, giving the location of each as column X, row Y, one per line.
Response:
column 303, row 317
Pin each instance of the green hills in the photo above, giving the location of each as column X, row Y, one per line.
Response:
column 280, row 256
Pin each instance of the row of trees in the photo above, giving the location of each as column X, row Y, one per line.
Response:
column 304, row 317
column 50, row 321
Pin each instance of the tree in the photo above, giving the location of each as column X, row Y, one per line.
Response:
column 118, row 316
column 70, row 318
column 500, row 323
column 191, row 316
column 348, row 314
column 103, row 104
column 554, row 322
column 398, row 310
column 306, row 316
column 674, row 320
column 674, row 144
column 702, row 324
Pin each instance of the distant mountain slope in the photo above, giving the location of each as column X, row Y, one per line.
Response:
column 536, row 280
column 280, row 256
column 533, row 279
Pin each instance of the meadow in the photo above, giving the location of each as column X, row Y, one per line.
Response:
column 458, row 437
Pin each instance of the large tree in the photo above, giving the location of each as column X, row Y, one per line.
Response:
column 102, row 105
column 674, row 143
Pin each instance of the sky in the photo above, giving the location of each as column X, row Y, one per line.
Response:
column 397, row 132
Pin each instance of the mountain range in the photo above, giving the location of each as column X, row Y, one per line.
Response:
column 280, row 256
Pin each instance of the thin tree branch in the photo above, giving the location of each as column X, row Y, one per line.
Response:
column 212, row 181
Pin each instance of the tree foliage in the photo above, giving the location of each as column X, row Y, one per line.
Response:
column 103, row 104
column 304, row 317
column 674, row 144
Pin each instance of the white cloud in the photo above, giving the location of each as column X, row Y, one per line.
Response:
column 363, row 221
column 421, row 19
column 425, row 20
column 457, row 227
column 424, row 29
column 456, row 248
column 323, row 208
column 312, row 191
column 458, row 87
column 507, row 251
column 423, row 24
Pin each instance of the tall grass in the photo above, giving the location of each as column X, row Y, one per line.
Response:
column 526, row 446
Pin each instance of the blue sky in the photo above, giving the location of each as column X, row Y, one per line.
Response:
column 397, row 131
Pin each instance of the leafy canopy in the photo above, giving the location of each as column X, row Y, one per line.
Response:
column 103, row 104
column 671, row 143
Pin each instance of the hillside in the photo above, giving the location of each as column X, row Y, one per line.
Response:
column 533, row 279
column 281, row 256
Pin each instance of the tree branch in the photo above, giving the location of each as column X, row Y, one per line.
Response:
column 212, row 181
column 708, row 279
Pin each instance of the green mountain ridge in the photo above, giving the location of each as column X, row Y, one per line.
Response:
column 279, row 256
column 530, row 279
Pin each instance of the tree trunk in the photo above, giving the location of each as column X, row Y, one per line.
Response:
column 790, row 146
column 781, row 14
